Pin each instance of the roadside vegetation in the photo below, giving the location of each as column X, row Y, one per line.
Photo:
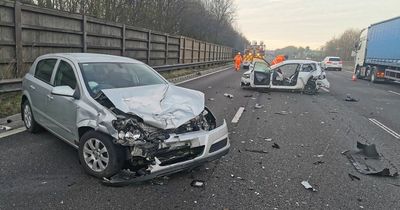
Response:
column 9, row 104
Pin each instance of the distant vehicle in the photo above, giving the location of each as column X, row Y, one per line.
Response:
column 253, row 51
column 332, row 63
column 303, row 75
column 378, row 52
column 120, row 114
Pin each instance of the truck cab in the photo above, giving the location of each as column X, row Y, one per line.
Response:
column 361, row 48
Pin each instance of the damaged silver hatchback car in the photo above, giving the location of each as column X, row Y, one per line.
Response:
column 126, row 120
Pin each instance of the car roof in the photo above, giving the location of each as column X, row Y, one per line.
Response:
column 92, row 58
column 294, row 62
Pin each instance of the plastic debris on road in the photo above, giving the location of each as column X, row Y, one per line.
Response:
column 350, row 99
column 276, row 146
column 197, row 183
column 211, row 99
column 282, row 113
column 368, row 161
column 258, row 106
column 308, row 186
column 319, row 162
column 268, row 139
column 256, row 151
column 228, row 95
column 5, row 128
column 353, row 177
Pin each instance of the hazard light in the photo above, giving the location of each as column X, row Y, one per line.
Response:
column 380, row 74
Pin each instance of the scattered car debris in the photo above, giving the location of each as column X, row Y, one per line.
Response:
column 308, row 186
column 228, row 95
column 320, row 156
column 197, row 183
column 256, row 151
column 319, row 162
column 282, row 113
column 350, row 99
column 209, row 87
column 276, row 146
column 268, row 139
column 211, row 99
column 233, row 176
column 353, row 177
column 5, row 128
column 258, row 106
column 368, row 161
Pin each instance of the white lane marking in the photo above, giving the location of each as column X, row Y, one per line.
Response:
column 324, row 89
column 12, row 132
column 178, row 83
column 237, row 115
column 385, row 128
column 394, row 92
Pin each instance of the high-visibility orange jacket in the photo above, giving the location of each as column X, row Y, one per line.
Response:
column 238, row 59
column 278, row 59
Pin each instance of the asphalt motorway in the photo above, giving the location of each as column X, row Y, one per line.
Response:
column 42, row 172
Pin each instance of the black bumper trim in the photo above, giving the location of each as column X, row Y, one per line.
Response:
column 125, row 178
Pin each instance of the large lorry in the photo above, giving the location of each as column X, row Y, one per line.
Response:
column 378, row 52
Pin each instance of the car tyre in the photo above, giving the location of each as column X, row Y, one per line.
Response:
column 310, row 88
column 29, row 120
column 99, row 156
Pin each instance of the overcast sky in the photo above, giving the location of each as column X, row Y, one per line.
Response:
column 280, row 23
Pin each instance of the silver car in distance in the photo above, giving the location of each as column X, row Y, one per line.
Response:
column 128, row 122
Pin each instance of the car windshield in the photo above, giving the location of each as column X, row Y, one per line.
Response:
column 99, row 76
column 261, row 67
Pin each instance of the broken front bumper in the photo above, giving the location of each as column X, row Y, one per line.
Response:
column 215, row 143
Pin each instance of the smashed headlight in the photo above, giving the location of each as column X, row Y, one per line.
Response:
column 204, row 121
column 247, row 76
column 133, row 132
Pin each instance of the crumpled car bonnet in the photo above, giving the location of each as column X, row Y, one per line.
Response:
column 164, row 106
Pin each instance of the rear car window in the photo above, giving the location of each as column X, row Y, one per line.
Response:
column 334, row 59
column 65, row 75
column 44, row 69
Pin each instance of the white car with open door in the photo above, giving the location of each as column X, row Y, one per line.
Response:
column 302, row 75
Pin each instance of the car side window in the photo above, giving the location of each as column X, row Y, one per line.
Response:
column 44, row 69
column 65, row 75
column 308, row 67
column 289, row 69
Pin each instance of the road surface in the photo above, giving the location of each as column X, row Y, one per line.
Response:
column 42, row 172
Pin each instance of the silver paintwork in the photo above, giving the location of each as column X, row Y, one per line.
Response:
column 63, row 115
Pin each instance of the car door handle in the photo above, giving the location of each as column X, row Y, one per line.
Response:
column 32, row 87
column 50, row 97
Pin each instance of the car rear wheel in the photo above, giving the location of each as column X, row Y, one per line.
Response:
column 99, row 156
column 310, row 88
column 27, row 116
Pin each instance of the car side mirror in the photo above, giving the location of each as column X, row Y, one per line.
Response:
column 64, row 91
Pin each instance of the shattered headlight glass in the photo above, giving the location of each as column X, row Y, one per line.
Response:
column 204, row 121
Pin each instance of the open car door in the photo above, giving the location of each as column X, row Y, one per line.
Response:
column 260, row 76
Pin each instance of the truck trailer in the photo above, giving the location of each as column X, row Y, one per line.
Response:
column 378, row 52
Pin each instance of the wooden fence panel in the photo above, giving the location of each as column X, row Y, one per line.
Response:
column 27, row 32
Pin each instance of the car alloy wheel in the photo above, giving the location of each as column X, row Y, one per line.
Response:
column 95, row 155
column 27, row 116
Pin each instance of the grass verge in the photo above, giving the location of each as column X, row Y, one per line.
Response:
column 10, row 103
